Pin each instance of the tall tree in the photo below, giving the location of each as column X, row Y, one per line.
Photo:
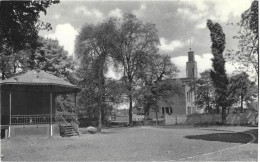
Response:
column 134, row 42
column 218, row 74
column 93, row 48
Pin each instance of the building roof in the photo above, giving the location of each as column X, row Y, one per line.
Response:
column 40, row 78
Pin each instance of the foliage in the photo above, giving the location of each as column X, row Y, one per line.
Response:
column 134, row 42
column 48, row 56
column 205, row 92
column 157, row 82
column 218, row 74
column 250, row 17
column 248, row 44
column 88, row 100
column 19, row 27
column 93, row 49
column 52, row 57
column 242, row 89
column 20, row 23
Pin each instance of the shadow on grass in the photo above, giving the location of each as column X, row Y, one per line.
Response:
column 255, row 133
column 239, row 137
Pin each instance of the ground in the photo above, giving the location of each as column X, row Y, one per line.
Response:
column 139, row 144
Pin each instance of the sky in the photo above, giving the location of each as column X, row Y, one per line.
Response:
column 181, row 24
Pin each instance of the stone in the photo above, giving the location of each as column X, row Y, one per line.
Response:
column 92, row 130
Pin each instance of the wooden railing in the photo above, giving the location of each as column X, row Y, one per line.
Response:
column 61, row 120
column 31, row 119
column 42, row 119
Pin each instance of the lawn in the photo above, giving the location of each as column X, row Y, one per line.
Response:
column 137, row 144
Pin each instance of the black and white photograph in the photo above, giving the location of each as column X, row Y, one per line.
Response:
column 122, row 80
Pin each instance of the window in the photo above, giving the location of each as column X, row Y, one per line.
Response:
column 163, row 110
column 167, row 110
column 188, row 96
column 189, row 110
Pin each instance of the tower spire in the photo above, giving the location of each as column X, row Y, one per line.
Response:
column 190, row 44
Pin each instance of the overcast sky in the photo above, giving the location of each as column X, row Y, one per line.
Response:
column 177, row 22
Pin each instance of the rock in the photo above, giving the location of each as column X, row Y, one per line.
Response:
column 92, row 130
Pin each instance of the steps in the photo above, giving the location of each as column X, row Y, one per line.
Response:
column 68, row 131
column 66, row 128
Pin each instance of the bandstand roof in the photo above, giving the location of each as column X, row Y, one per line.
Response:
column 39, row 79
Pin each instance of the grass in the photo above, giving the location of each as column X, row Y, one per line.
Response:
column 129, row 144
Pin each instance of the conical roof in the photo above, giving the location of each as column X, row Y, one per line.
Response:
column 38, row 77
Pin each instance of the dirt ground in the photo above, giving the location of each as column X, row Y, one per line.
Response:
column 139, row 144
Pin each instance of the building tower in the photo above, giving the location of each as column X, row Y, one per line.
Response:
column 191, row 66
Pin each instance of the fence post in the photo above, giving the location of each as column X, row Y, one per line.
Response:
column 176, row 119
column 200, row 118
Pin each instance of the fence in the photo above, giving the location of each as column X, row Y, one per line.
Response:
column 203, row 118
column 250, row 118
column 175, row 119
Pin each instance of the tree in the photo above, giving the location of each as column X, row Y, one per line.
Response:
column 205, row 97
column 19, row 27
column 134, row 42
column 48, row 56
column 93, row 48
column 20, row 22
column 52, row 57
column 242, row 89
column 88, row 99
column 218, row 74
column 248, row 43
column 250, row 18
column 157, row 82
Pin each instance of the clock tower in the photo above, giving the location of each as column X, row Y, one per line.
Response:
column 191, row 66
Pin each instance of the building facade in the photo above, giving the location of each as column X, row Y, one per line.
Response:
column 181, row 104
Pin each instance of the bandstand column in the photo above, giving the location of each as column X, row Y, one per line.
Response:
column 51, row 130
column 75, row 105
column 10, row 113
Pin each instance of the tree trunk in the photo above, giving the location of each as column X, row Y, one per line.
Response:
column 241, row 102
column 217, row 108
column 99, row 118
column 146, row 112
column 130, row 109
column 14, row 69
column 100, row 87
column 156, row 115
column 209, row 109
column 223, row 115
column 3, row 75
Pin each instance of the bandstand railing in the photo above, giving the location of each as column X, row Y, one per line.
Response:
column 31, row 119
column 40, row 119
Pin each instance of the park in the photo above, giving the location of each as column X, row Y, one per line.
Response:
column 129, row 81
